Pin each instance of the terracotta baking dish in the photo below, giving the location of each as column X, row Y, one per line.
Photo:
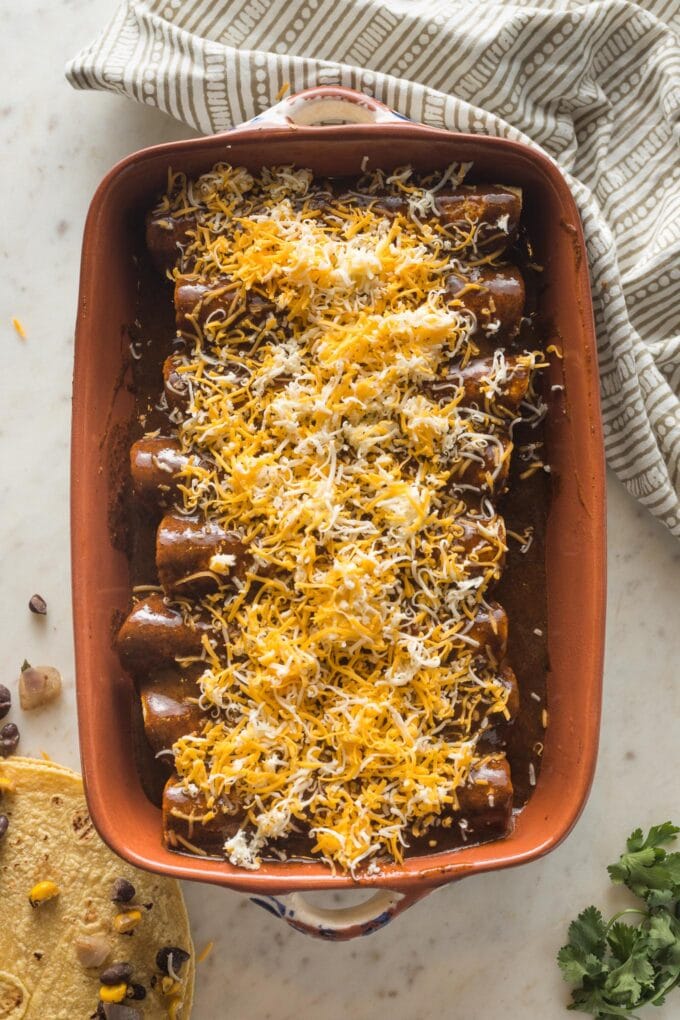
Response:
column 103, row 406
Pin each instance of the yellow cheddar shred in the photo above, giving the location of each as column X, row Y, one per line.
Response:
column 19, row 327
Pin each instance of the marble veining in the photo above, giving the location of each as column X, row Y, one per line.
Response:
column 480, row 950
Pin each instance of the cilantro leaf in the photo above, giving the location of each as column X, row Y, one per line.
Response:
column 583, row 954
column 625, row 984
column 591, row 1000
column 646, row 868
column 576, row 964
column 657, row 835
column 636, row 841
column 588, row 932
column 621, row 939
column 619, row 967
column 660, row 934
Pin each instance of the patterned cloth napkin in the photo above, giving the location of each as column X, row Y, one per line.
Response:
column 595, row 85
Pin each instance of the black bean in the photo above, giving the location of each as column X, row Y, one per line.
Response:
column 38, row 605
column 171, row 958
column 122, row 891
column 9, row 739
column 136, row 991
column 4, row 825
column 116, row 974
column 5, row 701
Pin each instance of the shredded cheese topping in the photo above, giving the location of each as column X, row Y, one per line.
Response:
column 349, row 675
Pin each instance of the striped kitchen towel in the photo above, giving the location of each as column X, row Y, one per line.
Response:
column 595, row 85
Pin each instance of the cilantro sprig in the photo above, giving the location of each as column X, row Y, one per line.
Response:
column 618, row 967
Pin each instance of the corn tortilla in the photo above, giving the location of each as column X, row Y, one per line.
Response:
column 51, row 838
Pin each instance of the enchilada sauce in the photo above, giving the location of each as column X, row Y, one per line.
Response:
column 521, row 590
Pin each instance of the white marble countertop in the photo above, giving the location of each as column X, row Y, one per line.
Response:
column 481, row 950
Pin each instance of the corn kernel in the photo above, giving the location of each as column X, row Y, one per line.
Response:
column 42, row 892
column 174, row 1009
column 169, row 986
column 127, row 921
column 113, row 993
column 7, row 785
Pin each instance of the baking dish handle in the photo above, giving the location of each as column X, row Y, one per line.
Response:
column 339, row 923
column 323, row 104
